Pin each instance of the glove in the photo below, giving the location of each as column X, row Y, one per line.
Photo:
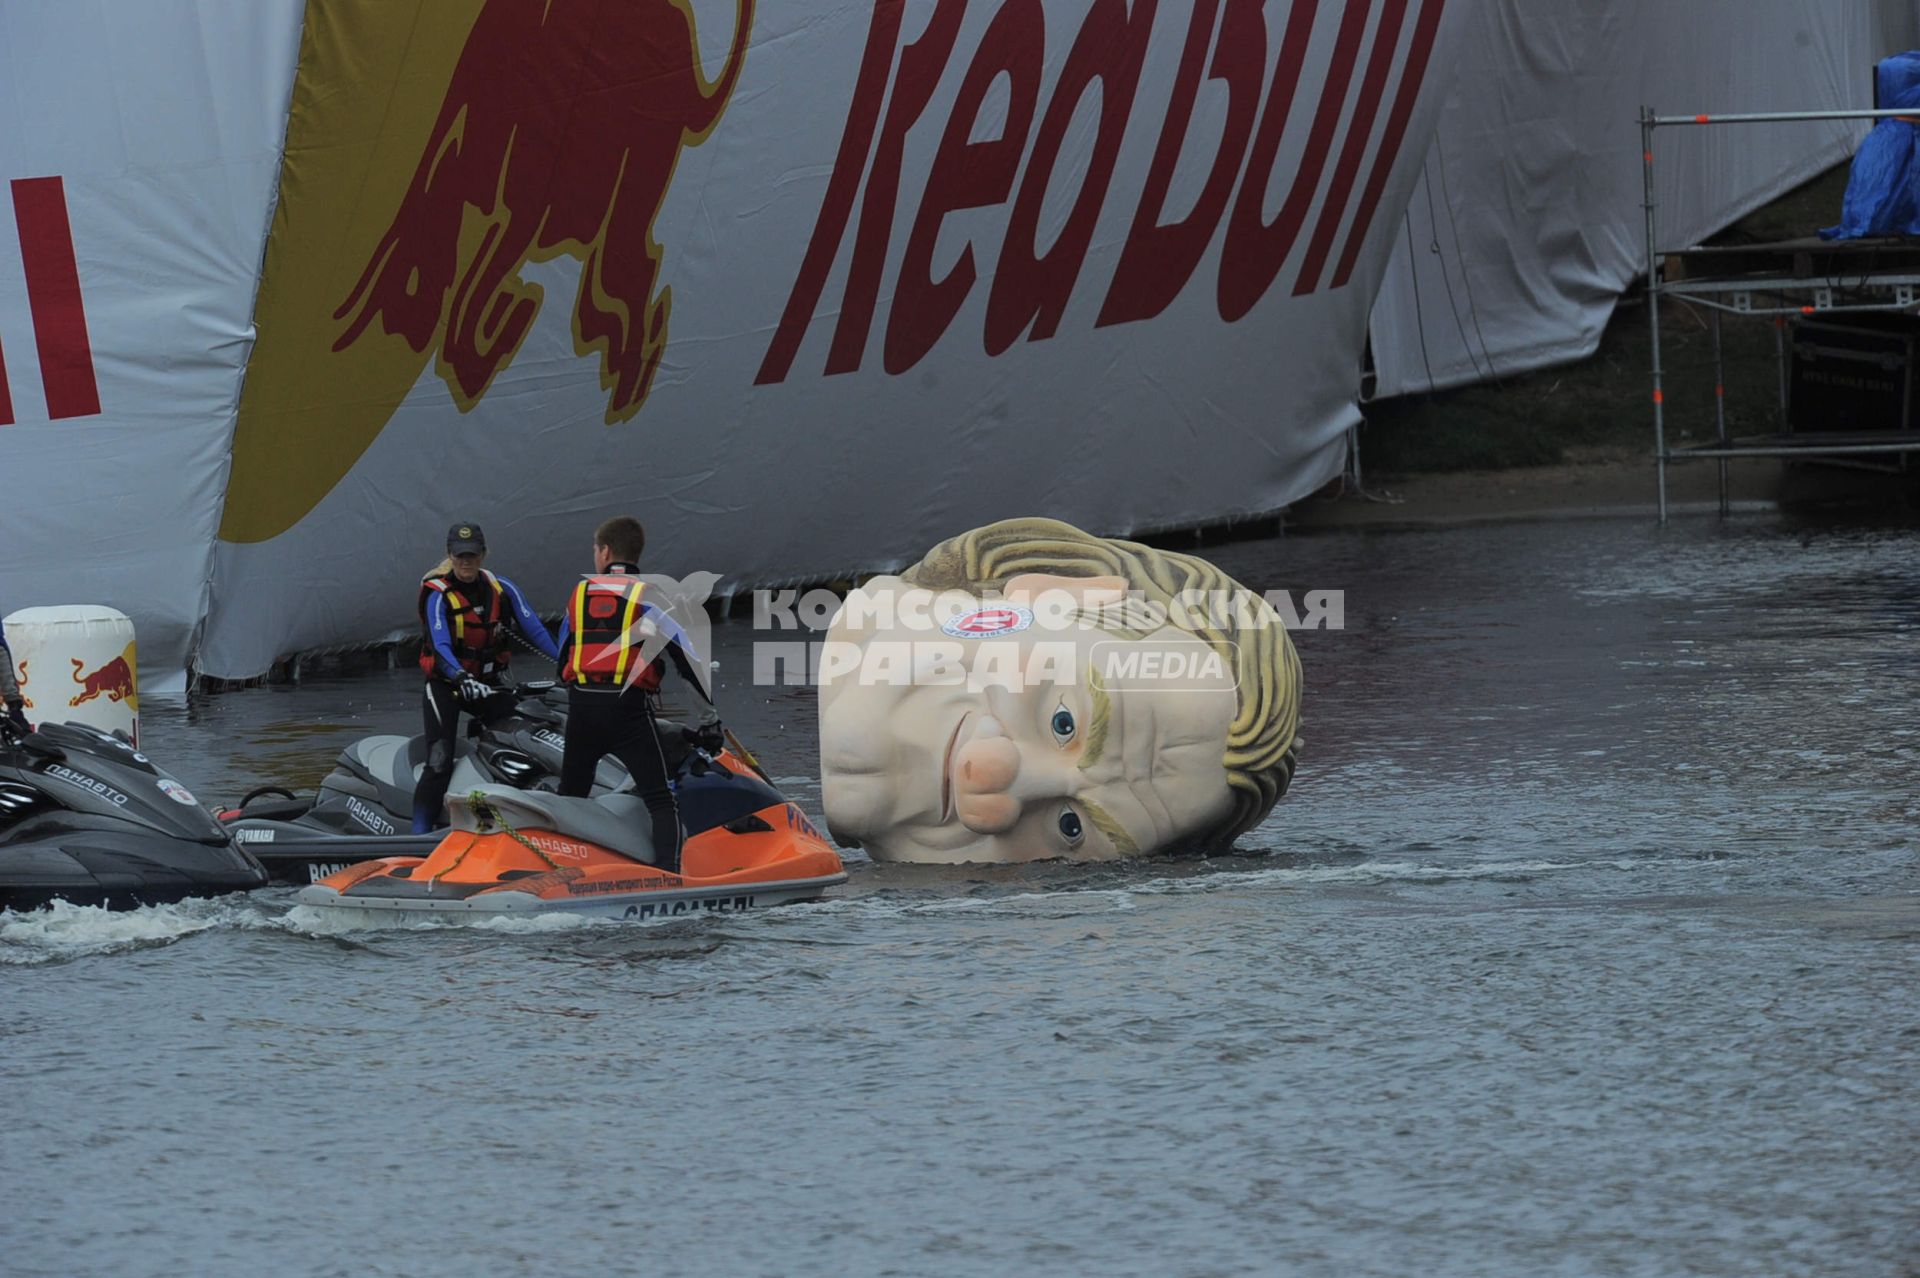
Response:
column 17, row 715
column 472, row 689
column 709, row 737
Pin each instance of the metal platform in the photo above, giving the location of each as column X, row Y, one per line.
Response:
column 1796, row 261
column 1799, row 277
column 1804, row 444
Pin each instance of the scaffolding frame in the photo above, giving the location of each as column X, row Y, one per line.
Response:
column 1777, row 296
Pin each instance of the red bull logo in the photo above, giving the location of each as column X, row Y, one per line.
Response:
column 25, row 700
column 436, row 148
column 1261, row 64
column 558, row 135
column 114, row 681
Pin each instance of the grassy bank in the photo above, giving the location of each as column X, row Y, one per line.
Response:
column 1601, row 406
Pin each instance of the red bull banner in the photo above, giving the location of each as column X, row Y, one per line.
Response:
column 803, row 288
column 138, row 164
column 288, row 286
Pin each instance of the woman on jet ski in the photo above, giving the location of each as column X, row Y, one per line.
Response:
column 465, row 613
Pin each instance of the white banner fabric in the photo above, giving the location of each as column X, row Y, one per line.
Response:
column 137, row 170
column 1526, row 222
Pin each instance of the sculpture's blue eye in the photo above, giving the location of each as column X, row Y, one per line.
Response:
column 1070, row 824
column 1062, row 725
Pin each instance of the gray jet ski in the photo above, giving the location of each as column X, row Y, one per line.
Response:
column 364, row 807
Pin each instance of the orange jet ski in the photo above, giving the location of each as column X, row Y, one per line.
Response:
column 521, row 852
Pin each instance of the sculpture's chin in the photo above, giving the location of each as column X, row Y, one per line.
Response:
column 894, row 851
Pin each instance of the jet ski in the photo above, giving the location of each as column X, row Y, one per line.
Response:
column 88, row 819
column 364, row 807
column 519, row 852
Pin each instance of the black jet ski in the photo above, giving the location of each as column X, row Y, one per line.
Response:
column 364, row 807
column 86, row 818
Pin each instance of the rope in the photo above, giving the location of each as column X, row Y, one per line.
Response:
column 746, row 756
column 490, row 814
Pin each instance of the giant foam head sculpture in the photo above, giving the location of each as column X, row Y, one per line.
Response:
column 1028, row 690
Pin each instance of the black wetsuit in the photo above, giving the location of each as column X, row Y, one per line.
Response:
column 441, row 702
column 603, row 720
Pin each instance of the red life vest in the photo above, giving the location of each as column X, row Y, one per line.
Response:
column 603, row 650
column 477, row 638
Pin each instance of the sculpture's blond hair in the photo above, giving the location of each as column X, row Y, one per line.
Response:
column 1260, row 741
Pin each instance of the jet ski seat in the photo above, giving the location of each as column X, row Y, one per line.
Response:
column 617, row 822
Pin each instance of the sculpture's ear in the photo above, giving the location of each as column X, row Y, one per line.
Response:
column 1090, row 590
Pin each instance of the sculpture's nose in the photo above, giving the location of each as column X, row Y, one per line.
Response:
column 984, row 770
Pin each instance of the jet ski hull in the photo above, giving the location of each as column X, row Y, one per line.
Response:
column 515, row 853
column 119, row 869
column 657, row 903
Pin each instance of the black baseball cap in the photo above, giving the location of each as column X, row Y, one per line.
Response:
column 466, row 539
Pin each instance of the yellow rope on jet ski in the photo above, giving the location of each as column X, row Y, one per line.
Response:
column 451, row 868
column 746, row 755
column 478, row 802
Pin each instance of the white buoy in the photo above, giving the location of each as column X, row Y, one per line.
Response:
column 76, row 665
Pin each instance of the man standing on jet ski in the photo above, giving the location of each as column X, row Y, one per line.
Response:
column 10, row 688
column 465, row 612
column 610, row 683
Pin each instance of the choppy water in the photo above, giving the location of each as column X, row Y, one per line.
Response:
column 1586, row 944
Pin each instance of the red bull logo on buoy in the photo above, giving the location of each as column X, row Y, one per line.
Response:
column 115, row 681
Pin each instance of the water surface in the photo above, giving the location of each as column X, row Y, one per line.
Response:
column 1585, row 944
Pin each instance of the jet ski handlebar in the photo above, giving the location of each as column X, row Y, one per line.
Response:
column 29, row 740
column 536, row 688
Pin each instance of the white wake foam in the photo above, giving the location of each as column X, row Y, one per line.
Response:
column 63, row 931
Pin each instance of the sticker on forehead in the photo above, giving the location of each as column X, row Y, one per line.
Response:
column 987, row 623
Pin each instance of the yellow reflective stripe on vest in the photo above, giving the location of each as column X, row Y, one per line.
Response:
column 578, row 656
column 579, row 619
column 493, row 610
column 626, row 637
column 455, row 605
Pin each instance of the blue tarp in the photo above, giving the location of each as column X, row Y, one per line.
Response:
column 1883, row 197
